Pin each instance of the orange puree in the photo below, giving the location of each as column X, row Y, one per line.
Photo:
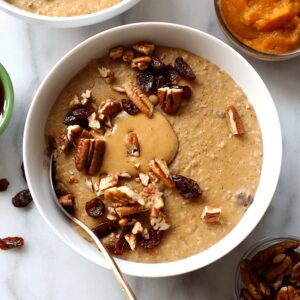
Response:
column 266, row 25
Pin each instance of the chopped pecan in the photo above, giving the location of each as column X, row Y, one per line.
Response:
column 62, row 141
column 110, row 108
column 94, row 123
column 211, row 214
column 118, row 89
column 75, row 102
column 132, row 144
column 152, row 196
column 125, row 211
column 86, row 97
column 145, row 48
column 158, row 220
column 244, row 198
column 169, row 99
column 108, row 182
column 137, row 228
column 116, row 52
column 89, row 155
column 160, row 168
column 141, row 62
column 124, row 175
column 131, row 240
column 234, row 121
column 66, row 200
column 74, row 132
column 139, row 98
column 286, row 293
column 123, row 222
column 128, row 56
column 107, row 74
column 144, row 179
column 112, row 214
column 123, row 195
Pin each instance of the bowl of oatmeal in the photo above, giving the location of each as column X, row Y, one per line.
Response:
column 164, row 150
column 75, row 13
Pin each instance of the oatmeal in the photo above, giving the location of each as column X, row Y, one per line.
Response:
column 157, row 150
column 63, row 8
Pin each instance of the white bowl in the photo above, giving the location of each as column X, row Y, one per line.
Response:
column 65, row 22
column 175, row 36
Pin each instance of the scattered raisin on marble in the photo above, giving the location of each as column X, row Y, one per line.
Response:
column 95, row 207
column 11, row 242
column 184, row 69
column 129, row 107
column 22, row 198
column 187, row 188
column 154, row 240
column 78, row 116
column 105, row 228
column 4, row 183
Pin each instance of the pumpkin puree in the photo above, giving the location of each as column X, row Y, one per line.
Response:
column 265, row 25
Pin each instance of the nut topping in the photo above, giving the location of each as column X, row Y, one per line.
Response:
column 73, row 133
column 108, row 182
column 160, row 168
column 131, row 240
column 125, row 211
column 286, row 293
column 137, row 228
column 62, row 141
column 144, row 179
column 234, row 121
column 158, row 220
column 132, row 144
column 128, row 56
column 153, row 197
column 66, row 200
column 211, row 214
column 139, row 98
column 107, row 74
column 89, row 155
column 145, row 48
column 169, row 99
column 110, row 108
column 141, row 62
column 123, row 195
column 116, row 52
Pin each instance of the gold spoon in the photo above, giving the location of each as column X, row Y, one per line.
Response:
column 109, row 259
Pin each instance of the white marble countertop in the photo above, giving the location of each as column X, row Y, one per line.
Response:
column 46, row 268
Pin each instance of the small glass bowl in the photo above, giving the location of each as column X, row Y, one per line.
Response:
column 246, row 49
column 260, row 245
column 9, row 99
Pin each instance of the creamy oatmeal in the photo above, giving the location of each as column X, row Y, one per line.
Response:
column 63, row 8
column 170, row 163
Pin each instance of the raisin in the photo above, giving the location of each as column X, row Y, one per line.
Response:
column 95, row 207
column 145, row 80
column 157, row 65
column 184, row 69
column 186, row 90
column 23, row 172
column 129, row 107
column 188, row 188
column 11, row 242
column 22, row 199
column 154, row 240
column 4, row 183
column 172, row 74
column 121, row 244
column 105, row 228
column 78, row 117
column 162, row 81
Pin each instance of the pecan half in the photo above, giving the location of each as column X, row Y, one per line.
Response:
column 160, row 168
column 116, row 52
column 286, row 293
column 139, row 98
column 280, row 269
column 295, row 275
column 234, row 121
column 123, row 195
column 66, row 200
column 89, row 155
column 107, row 74
column 132, row 144
column 145, row 48
column 211, row 214
column 169, row 99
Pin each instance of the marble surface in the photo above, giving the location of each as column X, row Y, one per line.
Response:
column 46, row 268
